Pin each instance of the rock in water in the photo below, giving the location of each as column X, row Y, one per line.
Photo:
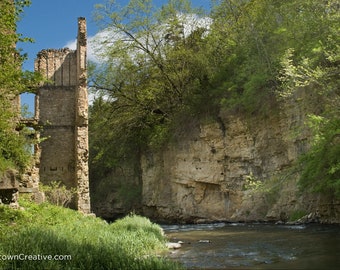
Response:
column 173, row 245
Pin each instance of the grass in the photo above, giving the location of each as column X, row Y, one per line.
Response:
column 296, row 215
column 41, row 230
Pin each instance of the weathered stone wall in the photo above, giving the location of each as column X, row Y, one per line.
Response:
column 57, row 115
column 62, row 110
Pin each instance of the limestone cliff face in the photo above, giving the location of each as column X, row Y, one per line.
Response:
column 237, row 168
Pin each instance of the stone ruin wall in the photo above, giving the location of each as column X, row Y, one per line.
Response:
column 62, row 110
column 56, row 110
column 61, row 121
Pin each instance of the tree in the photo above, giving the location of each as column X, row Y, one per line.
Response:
column 244, row 38
column 316, row 67
column 153, row 68
column 252, row 38
column 320, row 166
column 13, row 81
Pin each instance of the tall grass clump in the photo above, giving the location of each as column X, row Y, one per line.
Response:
column 84, row 242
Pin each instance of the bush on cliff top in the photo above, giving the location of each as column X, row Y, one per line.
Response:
column 129, row 243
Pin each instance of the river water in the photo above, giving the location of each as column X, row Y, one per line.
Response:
column 256, row 246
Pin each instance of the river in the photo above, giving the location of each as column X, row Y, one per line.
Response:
column 256, row 246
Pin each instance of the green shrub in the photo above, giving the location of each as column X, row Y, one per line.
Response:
column 321, row 164
column 296, row 215
column 57, row 193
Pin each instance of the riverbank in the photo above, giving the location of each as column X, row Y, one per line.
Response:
column 50, row 237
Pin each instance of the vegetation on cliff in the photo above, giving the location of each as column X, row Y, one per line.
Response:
column 321, row 165
column 162, row 66
column 13, row 81
column 82, row 242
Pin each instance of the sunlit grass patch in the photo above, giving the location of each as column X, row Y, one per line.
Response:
column 133, row 242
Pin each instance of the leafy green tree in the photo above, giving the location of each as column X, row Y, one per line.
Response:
column 315, row 67
column 13, row 81
column 244, row 39
column 252, row 38
column 321, row 164
column 153, row 67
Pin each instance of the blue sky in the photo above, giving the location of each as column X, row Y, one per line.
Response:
column 53, row 24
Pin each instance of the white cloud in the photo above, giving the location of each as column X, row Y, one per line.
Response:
column 192, row 22
column 91, row 47
column 71, row 44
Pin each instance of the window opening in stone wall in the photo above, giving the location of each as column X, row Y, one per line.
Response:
column 27, row 106
column 27, row 101
column 30, row 134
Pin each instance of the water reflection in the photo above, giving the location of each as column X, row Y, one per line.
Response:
column 256, row 246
